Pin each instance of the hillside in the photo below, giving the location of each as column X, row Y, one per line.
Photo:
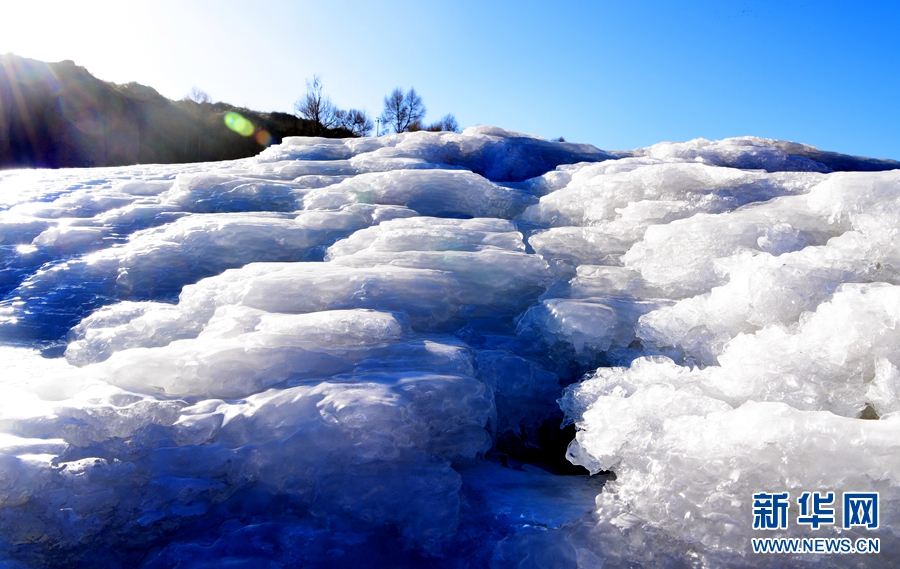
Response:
column 58, row 115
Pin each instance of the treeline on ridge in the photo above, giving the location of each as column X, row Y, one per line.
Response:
column 403, row 112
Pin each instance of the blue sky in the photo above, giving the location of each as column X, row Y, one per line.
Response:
column 614, row 74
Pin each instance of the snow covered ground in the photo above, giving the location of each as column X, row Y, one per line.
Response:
column 360, row 352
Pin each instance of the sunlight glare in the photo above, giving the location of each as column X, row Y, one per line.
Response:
column 264, row 138
column 238, row 124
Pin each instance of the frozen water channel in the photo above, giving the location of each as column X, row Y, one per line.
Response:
column 375, row 352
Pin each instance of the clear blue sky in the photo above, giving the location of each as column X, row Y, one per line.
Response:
column 616, row 74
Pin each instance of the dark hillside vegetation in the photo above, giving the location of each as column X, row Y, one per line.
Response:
column 58, row 115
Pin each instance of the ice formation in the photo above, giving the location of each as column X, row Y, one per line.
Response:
column 360, row 353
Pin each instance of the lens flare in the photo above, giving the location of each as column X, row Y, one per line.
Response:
column 238, row 124
column 264, row 138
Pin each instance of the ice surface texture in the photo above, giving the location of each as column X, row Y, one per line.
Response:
column 358, row 353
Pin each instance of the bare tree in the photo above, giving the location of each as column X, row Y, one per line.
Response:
column 354, row 120
column 447, row 124
column 316, row 107
column 198, row 96
column 395, row 112
column 403, row 111
column 415, row 105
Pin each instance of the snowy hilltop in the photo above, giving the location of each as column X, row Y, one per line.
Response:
column 372, row 352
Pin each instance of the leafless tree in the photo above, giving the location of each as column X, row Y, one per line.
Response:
column 198, row 95
column 354, row 120
column 395, row 112
column 403, row 111
column 316, row 107
column 447, row 124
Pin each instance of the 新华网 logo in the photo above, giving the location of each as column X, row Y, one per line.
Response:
column 816, row 509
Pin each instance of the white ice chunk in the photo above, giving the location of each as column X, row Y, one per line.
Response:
column 686, row 465
column 658, row 193
column 742, row 152
column 431, row 234
column 222, row 192
column 429, row 192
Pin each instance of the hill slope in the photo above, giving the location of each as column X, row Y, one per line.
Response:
column 58, row 115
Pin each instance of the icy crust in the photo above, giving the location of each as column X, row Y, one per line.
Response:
column 372, row 447
column 773, row 335
column 762, row 153
column 435, row 292
column 302, row 359
column 497, row 154
column 747, row 152
column 776, row 296
column 434, row 193
column 606, row 209
column 696, row 502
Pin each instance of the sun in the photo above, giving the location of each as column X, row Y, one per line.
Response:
column 104, row 35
